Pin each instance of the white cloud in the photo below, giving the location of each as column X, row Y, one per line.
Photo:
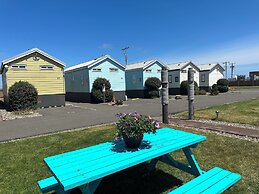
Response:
column 105, row 46
column 242, row 51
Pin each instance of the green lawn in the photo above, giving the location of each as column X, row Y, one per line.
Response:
column 244, row 112
column 21, row 163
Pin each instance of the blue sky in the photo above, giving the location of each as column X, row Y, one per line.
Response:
column 204, row 31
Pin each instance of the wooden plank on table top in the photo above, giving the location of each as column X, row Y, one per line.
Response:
column 110, row 152
column 95, row 154
column 82, row 176
column 209, row 182
column 101, row 146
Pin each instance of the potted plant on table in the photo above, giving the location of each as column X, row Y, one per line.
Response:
column 132, row 126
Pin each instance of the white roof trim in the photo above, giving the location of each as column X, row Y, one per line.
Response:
column 209, row 67
column 91, row 63
column 9, row 60
column 181, row 65
column 142, row 64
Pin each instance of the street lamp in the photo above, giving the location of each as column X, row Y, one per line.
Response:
column 103, row 91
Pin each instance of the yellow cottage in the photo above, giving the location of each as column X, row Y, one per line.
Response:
column 40, row 69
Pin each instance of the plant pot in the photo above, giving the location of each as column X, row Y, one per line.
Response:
column 132, row 142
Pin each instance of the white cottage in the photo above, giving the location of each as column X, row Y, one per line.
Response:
column 209, row 75
column 178, row 72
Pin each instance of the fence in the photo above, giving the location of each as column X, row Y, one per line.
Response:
column 244, row 83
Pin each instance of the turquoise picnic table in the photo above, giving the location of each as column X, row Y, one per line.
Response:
column 85, row 168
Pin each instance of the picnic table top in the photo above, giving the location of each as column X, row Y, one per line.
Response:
column 79, row 167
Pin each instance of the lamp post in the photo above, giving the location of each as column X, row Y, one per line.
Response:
column 164, row 91
column 191, row 93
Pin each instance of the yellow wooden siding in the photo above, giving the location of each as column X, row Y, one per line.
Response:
column 45, row 81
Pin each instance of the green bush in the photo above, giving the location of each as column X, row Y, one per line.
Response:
column 222, row 85
column 202, row 92
column 22, row 96
column 97, row 94
column 184, row 88
column 98, row 84
column 152, row 85
column 222, row 82
column 214, row 90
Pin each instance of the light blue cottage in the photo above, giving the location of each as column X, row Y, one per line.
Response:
column 79, row 78
column 137, row 74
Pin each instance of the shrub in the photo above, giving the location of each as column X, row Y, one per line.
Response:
column 153, row 94
column 214, row 90
column 98, row 84
column 22, row 96
column 152, row 85
column 222, row 85
column 202, row 92
column 184, row 88
column 119, row 102
column 97, row 94
column 222, row 82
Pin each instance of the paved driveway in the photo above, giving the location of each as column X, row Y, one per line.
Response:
column 77, row 115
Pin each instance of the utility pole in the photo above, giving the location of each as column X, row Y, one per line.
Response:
column 226, row 68
column 164, row 98
column 191, row 93
column 125, row 52
column 232, row 65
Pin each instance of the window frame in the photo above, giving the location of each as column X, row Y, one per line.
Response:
column 47, row 67
column 170, row 79
column 18, row 66
column 97, row 70
column 148, row 70
column 113, row 69
column 176, row 79
column 203, row 77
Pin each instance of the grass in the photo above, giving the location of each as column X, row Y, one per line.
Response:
column 21, row 163
column 243, row 112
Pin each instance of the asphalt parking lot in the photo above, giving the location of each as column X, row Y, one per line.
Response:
column 79, row 115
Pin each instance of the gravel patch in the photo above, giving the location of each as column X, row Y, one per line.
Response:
column 5, row 115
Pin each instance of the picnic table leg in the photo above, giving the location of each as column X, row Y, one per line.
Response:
column 192, row 161
column 153, row 163
column 90, row 187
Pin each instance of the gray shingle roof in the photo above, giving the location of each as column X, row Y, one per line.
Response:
column 141, row 65
column 208, row 67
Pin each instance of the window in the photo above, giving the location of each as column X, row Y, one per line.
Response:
column 170, row 78
column 203, row 77
column 184, row 71
column 114, row 70
column 46, row 67
column 97, row 70
column 176, row 79
column 148, row 70
column 18, row 66
column 159, row 71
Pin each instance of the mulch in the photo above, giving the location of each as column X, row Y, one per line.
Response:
column 218, row 127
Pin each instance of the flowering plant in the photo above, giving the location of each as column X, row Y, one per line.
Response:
column 135, row 124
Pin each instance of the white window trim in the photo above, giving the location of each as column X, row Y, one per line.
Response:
column 46, row 67
column 97, row 70
column 159, row 71
column 18, row 67
column 170, row 80
column 114, row 69
column 148, row 70
column 203, row 78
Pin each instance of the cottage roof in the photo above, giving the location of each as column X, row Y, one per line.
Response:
column 208, row 67
column 141, row 65
column 28, row 52
column 89, row 64
column 180, row 65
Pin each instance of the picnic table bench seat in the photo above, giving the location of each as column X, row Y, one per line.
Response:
column 213, row 181
column 48, row 184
